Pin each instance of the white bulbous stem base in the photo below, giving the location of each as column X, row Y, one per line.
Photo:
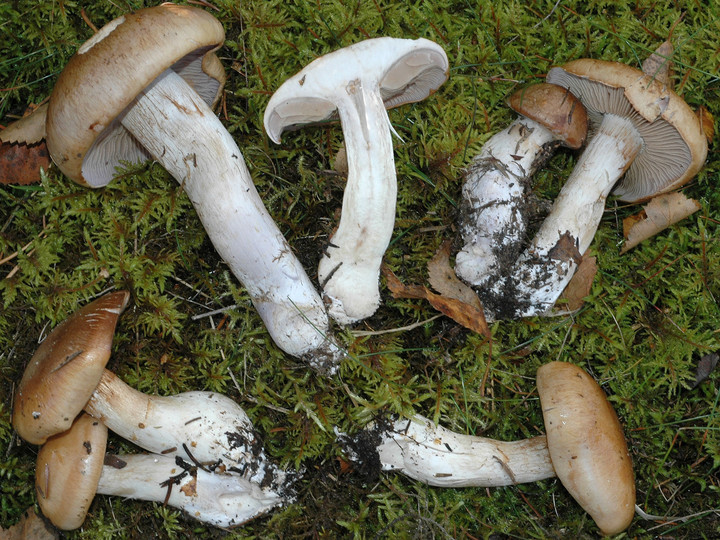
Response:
column 200, row 427
column 349, row 271
column 182, row 133
column 424, row 451
column 222, row 500
column 545, row 268
column 494, row 199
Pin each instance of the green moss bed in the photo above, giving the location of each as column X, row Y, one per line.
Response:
column 651, row 316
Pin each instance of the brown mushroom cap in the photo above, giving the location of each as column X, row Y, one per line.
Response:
column 69, row 466
column 555, row 108
column 66, row 368
column 587, row 445
column 674, row 146
column 84, row 137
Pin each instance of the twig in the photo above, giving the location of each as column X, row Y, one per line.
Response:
column 362, row 333
column 213, row 312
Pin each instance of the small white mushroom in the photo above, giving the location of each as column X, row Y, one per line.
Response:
column 358, row 83
column 140, row 88
column 496, row 190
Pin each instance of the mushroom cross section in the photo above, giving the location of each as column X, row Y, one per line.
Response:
column 494, row 211
column 641, row 130
column 358, row 83
column 584, row 446
column 141, row 87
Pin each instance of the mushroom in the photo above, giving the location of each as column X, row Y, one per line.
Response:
column 494, row 209
column 142, row 87
column 67, row 374
column 584, row 446
column 358, row 83
column 640, row 129
column 72, row 467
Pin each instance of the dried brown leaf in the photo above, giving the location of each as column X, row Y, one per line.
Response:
column 658, row 64
column 707, row 123
column 706, row 365
column 21, row 163
column 467, row 315
column 442, row 278
column 661, row 212
column 30, row 527
column 22, row 148
column 566, row 249
column 580, row 284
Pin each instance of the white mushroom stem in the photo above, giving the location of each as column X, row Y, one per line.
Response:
column 180, row 131
column 349, row 271
column 222, row 500
column 201, row 427
column 424, row 451
column 494, row 198
column 544, row 269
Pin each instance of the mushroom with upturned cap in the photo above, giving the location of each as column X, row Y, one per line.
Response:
column 584, row 447
column 642, row 130
column 494, row 215
column 142, row 86
column 72, row 467
column 358, row 83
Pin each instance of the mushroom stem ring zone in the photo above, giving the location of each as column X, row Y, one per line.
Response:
column 140, row 88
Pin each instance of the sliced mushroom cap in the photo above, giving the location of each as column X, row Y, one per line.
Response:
column 66, row 368
column 69, row 466
column 556, row 109
column 84, row 135
column 587, row 445
column 406, row 71
column 674, row 146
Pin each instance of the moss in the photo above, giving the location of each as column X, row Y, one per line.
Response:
column 651, row 315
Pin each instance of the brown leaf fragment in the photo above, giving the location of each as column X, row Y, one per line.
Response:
column 467, row 315
column 442, row 278
column 190, row 489
column 706, row 365
column 566, row 249
column 658, row 64
column 661, row 212
column 580, row 284
column 30, row 129
column 707, row 123
column 20, row 163
column 30, row 527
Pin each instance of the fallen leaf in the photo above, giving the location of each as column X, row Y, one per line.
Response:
column 190, row 489
column 661, row 212
column 706, row 365
column 707, row 123
column 21, row 163
column 580, row 284
column 22, row 150
column 30, row 527
column 658, row 64
column 566, row 249
column 442, row 278
column 467, row 315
